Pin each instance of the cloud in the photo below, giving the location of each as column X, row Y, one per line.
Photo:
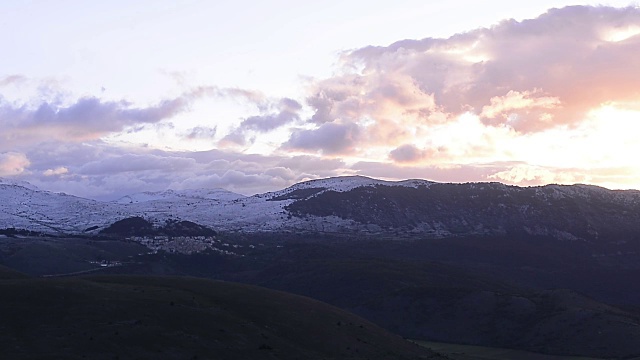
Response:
column 547, row 71
column 385, row 107
column 307, row 164
column 135, row 163
column 525, row 174
column 234, row 180
column 525, row 76
column 87, row 119
column 12, row 80
column 201, row 132
column 56, row 172
column 329, row 139
column 409, row 153
column 514, row 173
column 268, row 122
column 13, row 163
column 444, row 173
column 105, row 171
column 509, row 106
column 274, row 114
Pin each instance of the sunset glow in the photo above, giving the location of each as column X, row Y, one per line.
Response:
column 109, row 100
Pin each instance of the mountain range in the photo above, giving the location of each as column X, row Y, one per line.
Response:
column 350, row 205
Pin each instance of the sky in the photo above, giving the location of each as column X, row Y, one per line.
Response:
column 104, row 99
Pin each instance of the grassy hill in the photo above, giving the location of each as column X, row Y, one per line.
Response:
column 7, row 273
column 469, row 352
column 126, row 317
column 442, row 303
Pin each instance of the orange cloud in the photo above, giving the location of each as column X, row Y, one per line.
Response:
column 13, row 163
column 516, row 102
column 524, row 174
column 547, row 71
column 55, row 172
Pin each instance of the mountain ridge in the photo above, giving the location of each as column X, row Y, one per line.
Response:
column 350, row 205
column 212, row 194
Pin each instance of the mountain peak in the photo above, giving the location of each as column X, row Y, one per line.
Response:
column 21, row 183
column 346, row 183
column 208, row 194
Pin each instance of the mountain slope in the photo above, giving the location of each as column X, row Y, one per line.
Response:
column 181, row 318
column 424, row 300
column 37, row 210
column 577, row 212
column 7, row 273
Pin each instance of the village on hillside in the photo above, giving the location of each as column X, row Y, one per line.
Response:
column 186, row 244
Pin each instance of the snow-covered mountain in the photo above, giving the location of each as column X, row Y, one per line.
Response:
column 354, row 205
column 26, row 207
column 23, row 184
column 211, row 194
column 347, row 183
column 23, row 206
